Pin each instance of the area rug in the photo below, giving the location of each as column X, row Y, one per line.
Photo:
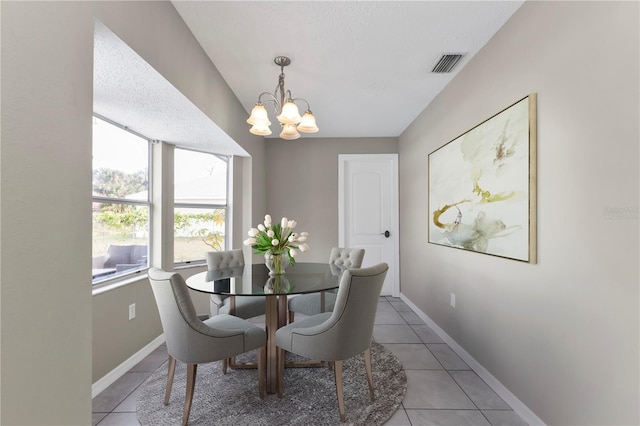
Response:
column 309, row 396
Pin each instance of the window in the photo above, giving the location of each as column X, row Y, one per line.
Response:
column 121, row 207
column 200, row 204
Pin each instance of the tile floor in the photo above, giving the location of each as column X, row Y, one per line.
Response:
column 441, row 388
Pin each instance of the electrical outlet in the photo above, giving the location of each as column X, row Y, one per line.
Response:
column 453, row 300
column 132, row 311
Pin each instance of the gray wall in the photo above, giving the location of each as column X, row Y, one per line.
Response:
column 48, row 315
column 302, row 184
column 562, row 335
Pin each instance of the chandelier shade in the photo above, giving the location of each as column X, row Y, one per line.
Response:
column 308, row 123
column 260, row 130
column 288, row 114
column 289, row 132
column 259, row 116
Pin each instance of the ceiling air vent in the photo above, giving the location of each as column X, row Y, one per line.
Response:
column 446, row 62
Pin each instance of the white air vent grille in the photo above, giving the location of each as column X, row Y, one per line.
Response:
column 446, row 62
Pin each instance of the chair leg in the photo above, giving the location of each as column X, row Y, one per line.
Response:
column 337, row 370
column 262, row 360
column 170, row 374
column 225, row 363
column 191, row 384
column 292, row 316
column 367, row 364
column 280, row 361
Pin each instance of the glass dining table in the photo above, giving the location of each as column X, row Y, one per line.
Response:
column 254, row 280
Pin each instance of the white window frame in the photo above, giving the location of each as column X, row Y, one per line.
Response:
column 225, row 207
column 97, row 283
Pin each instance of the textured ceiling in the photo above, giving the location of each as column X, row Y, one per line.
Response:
column 363, row 66
column 128, row 91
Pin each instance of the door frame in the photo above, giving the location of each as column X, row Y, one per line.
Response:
column 394, row 271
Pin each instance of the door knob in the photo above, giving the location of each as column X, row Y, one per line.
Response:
column 386, row 234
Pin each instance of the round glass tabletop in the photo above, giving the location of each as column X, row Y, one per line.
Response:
column 254, row 280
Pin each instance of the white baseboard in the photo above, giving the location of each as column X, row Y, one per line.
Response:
column 518, row 406
column 120, row 370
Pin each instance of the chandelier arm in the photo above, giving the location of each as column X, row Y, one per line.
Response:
column 303, row 100
column 272, row 99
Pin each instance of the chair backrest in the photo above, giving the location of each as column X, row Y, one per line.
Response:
column 346, row 257
column 139, row 254
column 220, row 265
column 130, row 255
column 356, row 306
column 224, row 259
column 349, row 328
column 184, row 331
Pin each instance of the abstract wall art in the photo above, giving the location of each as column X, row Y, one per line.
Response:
column 482, row 186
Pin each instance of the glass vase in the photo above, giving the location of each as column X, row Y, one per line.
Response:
column 276, row 263
column 277, row 284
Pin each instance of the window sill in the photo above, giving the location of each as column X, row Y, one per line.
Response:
column 138, row 276
column 117, row 283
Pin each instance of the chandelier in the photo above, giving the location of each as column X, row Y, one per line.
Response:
column 289, row 116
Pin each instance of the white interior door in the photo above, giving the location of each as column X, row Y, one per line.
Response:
column 368, row 211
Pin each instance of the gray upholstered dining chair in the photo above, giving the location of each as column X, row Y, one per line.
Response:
column 223, row 264
column 193, row 341
column 309, row 304
column 339, row 335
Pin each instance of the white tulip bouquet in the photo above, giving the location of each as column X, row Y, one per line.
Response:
column 278, row 238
